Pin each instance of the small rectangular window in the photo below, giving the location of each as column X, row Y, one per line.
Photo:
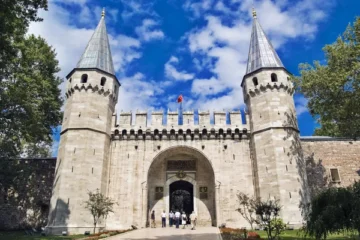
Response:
column 335, row 176
column 203, row 192
column 159, row 193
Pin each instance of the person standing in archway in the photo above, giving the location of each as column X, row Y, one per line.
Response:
column 171, row 217
column 193, row 219
column 163, row 219
column 177, row 218
column 183, row 220
column 153, row 225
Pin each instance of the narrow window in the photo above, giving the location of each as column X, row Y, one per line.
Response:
column 255, row 81
column 68, row 201
column 103, row 81
column 274, row 77
column 335, row 176
column 115, row 89
column 290, row 194
column 70, row 80
column 84, row 78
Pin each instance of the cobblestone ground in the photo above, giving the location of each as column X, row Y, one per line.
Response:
column 201, row 233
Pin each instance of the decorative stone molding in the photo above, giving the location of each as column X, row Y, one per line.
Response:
column 180, row 134
column 252, row 92
column 95, row 89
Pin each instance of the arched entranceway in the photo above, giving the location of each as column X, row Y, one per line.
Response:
column 182, row 177
column 181, row 195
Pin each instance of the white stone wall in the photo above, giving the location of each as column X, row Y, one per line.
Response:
column 132, row 185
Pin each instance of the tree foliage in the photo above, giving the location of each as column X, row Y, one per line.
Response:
column 99, row 206
column 29, row 97
column 334, row 210
column 333, row 88
column 268, row 213
column 15, row 17
column 247, row 208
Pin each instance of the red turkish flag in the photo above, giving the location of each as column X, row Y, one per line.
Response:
column 180, row 99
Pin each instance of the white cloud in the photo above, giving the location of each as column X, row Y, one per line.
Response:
column 147, row 31
column 197, row 8
column 173, row 73
column 70, row 41
column 137, row 7
column 136, row 92
column 301, row 104
column 225, row 44
column 206, row 87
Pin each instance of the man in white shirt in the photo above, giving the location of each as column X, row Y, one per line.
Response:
column 193, row 219
column 163, row 219
column 177, row 218
column 171, row 218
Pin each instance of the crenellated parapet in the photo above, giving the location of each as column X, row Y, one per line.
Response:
column 160, row 127
column 91, row 89
column 180, row 133
column 270, row 86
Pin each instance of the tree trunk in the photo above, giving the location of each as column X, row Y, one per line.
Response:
column 94, row 227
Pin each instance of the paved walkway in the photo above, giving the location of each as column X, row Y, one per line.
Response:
column 201, row 233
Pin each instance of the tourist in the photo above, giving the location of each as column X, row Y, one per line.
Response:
column 183, row 220
column 163, row 219
column 193, row 219
column 171, row 218
column 153, row 225
column 177, row 218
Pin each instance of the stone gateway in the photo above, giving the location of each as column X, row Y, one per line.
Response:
column 159, row 166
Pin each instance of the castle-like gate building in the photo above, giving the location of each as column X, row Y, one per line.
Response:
column 188, row 167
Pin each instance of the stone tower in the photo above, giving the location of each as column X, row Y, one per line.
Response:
column 276, row 153
column 83, row 156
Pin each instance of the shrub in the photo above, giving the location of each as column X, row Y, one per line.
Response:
column 253, row 235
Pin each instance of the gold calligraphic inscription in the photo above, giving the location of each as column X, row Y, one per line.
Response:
column 159, row 193
column 180, row 174
column 177, row 165
column 203, row 192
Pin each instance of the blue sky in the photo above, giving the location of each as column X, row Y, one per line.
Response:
column 163, row 48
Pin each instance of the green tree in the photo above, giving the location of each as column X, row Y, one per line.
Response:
column 330, row 212
column 333, row 88
column 30, row 101
column 268, row 213
column 355, row 209
column 99, row 206
column 15, row 17
column 247, row 208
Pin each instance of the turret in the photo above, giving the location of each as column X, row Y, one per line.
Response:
column 82, row 162
column 277, row 156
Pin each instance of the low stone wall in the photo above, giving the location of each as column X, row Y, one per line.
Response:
column 26, row 184
column 321, row 155
column 25, row 188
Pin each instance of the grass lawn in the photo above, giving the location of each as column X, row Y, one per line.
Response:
column 297, row 235
column 23, row 236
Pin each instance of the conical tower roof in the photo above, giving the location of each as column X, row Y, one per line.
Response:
column 97, row 53
column 261, row 52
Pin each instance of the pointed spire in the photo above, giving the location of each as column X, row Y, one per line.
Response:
column 97, row 53
column 261, row 52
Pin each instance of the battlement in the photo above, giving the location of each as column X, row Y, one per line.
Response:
column 225, row 125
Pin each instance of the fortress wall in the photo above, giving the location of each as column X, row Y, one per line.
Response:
column 324, row 154
column 132, row 159
column 155, row 120
column 25, row 189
